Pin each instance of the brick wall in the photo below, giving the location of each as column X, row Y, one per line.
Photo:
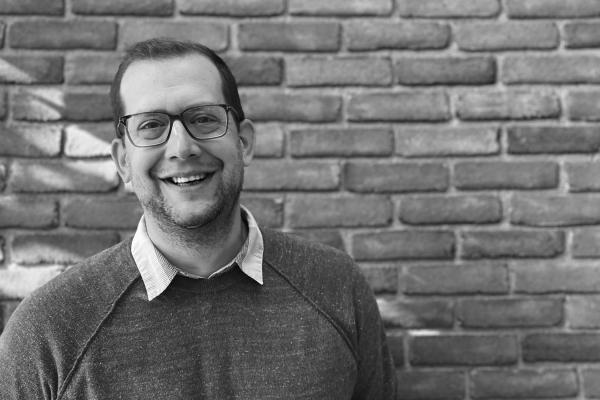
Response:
column 449, row 146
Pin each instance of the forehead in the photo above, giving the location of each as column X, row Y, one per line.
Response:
column 170, row 84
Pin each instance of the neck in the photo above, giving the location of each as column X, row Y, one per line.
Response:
column 202, row 250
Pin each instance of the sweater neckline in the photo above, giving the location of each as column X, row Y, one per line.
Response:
column 215, row 284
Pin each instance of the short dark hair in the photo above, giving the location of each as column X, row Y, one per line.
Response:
column 165, row 48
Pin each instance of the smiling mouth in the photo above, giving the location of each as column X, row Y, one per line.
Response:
column 191, row 180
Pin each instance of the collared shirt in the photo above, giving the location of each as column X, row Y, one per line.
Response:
column 158, row 273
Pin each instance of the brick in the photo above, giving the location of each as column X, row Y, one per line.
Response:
column 553, row 139
column 53, row 104
column 551, row 69
column 417, row 314
column 510, row 313
column 63, row 35
column 561, row 347
column 341, row 142
column 552, row 8
column 446, row 141
column 269, row 140
column 234, row 8
column 2, row 29
column 277, row 106
column 488, row 278
column 327, row 237
column 1, row 249
column 59, row 248
column 523, row 384
column 513, row 243
column 403, row 245
column 340, row 7
column 365, row 35
column 506, row 175
column 555, row 210
column 63, row 176
column 510, row 35
column 32, row 7
column 2, row 176
column 91, row 68
column 450, row 210
column 88, row 140
column 287, row 175
column 212, row 34
column 445, row 71
column 581, row 35
column 396, row 346
column 583, row 106
column 586, row 243
column 289, row 36
column 382, row 277
column 123, row 7
column 511, row 104
column 3, row 104
column 100, row 212
column 7, row 308
column 27, row 212
column 448, row 8
column 30, row 140
column 31, row 69
column 393, row 177
column 324, row 211
column 327, row 71
column 583, row 312
column 467, row 350
column 19, row 282
column 431, row 385
column 555, row 278
column 268, row 211
column 256, row 70
column 400, row 106
column 591, row 382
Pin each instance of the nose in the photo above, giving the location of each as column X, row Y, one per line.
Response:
column 181, row 144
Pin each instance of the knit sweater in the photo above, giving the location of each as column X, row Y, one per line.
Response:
column 312, row 331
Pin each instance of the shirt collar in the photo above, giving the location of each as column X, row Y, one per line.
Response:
column 157, row 273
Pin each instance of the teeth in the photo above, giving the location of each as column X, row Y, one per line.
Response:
column 185, row 179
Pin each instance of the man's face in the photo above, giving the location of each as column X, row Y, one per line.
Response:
column 216, row 166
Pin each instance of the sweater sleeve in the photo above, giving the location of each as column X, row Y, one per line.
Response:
column 376, row 370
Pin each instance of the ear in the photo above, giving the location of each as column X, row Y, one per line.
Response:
column 119, row 156
column 246, row 135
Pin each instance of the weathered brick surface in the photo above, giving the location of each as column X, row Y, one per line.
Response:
column 450, row 210
column 586, row 243
column 32, row 7
column 579, row 35
column 510, row 35
column 88, row 140
column 428, row 314
column 489, row 278
column 403, row 245
column 551, row 278
column 277, row 106
column 499, row 244
column 433, row 385
column 506, row 175
column 466, row 350
column 566, row 347
column 16, row 283
column 371, row 35
column 511, row 104
column 59, row 248
column 446, row 141
column 382, row 277
column 212, row 34
column 395, row 177
column 583, row 105
column 285, row 175
column 555, row 210
column 445, row 71
column 27, row 212
column 448, row 8
column 30, row 140
column 256, row 70
column 3, row 171
column 523, row 384
column 510, row 313
column 325, row 71
column 88, row 212
column 296, row 36
column 591, row 382
column 58, row 34
column 552, row 8
column 583, row 176
column 340, row 7
column 31, row 69
column 396, row 345
column 91, row 68
column 348, row 142
column 269, row 140
column 63, row 176
column 551, row 69
column 328, row 237
column 235, row 8
column 400, row 106
column 268, row 211
column 553, row 139
column 583, row 312
column 316, row 211
column 123, row 7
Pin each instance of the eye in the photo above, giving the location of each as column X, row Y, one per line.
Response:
column 151, row 124
column 202, row 119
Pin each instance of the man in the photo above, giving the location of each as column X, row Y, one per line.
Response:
column 200, row 303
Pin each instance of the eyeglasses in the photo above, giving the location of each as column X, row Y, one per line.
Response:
column 147, row 129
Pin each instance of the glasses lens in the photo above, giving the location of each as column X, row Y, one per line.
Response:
column 205, row 122
column 148, row 129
